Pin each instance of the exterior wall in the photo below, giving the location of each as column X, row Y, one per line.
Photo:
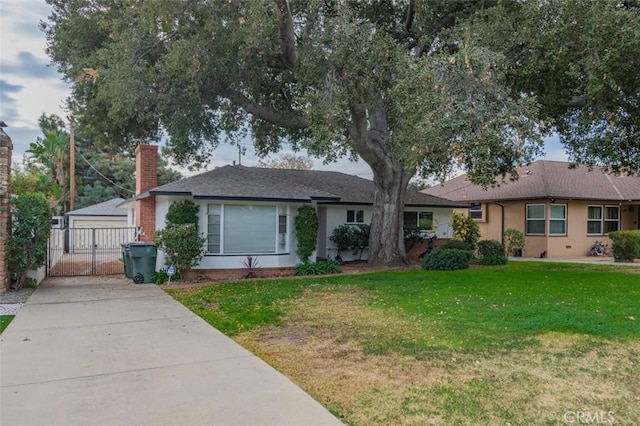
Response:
column 232, row 262
column 336, row 215
column 6, row 149
column 575, row 243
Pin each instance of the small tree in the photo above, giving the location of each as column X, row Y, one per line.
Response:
column 30, row 228
column 465, row 229
column 306, row 226
column 182, row 245
column 181, row 212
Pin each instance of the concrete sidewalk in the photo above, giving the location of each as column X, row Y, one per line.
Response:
column 109, row 352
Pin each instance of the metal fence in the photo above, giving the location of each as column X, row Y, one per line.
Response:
column 87, row 251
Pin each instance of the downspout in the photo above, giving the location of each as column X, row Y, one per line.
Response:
column 501, row 220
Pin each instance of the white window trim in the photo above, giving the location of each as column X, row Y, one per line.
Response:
column 566, row 213
column 601, row 220
column 543, row 219
column 479, row 208
column 277, row 249
column 605, row 220
column 355, row 216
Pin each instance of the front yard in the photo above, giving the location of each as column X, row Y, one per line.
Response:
column 527, row 343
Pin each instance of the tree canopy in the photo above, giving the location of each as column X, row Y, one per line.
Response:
column 101, row 174
column 409, row 86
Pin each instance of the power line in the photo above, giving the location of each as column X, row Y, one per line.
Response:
column 104, row 177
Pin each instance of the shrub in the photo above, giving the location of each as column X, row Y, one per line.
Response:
column 316, row 268
column 412, row 237
column 181, row 244
column 30, row 228
column 465, row 229
column 446, row 260
column 626, row 245
column 514, row 241
column 456, row 245
column 350, row 237
column 306, row 227
column 181, row 212
column 491, row 252
column 161, row 277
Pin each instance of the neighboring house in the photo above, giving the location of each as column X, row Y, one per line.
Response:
column 248, row 211
column 561, row 210
column 99, row 226
column 101, row 215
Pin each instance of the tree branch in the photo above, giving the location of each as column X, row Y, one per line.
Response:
column 288, row 52
column 411, row 13
column 286, row 119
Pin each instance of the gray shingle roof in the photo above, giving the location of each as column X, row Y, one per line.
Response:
column 545, row 179
column 106, row 208
column 253, row 183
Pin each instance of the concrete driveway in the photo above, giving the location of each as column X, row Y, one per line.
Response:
column 87, row 351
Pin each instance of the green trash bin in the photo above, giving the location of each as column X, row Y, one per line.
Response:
column 143, row 257
column 126, row 260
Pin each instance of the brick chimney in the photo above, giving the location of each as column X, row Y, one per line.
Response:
column 146, row 179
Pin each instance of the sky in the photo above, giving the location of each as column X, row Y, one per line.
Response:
column 31, row 86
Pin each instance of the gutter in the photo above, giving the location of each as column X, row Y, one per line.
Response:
column 501, row 220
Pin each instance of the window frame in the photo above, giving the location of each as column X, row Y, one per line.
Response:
column 605, row 231
column 416, row 225
column 281, row 240
column 357, row 214
column 477, row 208
column 600, row 221
column 563, row 220
column 528, row 219
column 603, row 221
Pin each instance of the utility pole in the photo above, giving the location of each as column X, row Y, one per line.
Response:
column 72, row 164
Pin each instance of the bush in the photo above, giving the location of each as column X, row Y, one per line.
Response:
column 181, row 212
column 626, row 245
column 514, row 240
column 447, row 260
column 465, row 229
column 491, row 252
column 456, row 245
column 181, row 244
column 306, row 226
column 316, row 268
column 30, row 229
column 350, row 237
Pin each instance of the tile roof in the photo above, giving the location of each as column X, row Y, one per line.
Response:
column 545, row 179
column 254, row 183
column 106, row 208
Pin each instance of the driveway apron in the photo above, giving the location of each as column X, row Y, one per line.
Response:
column 89, row 351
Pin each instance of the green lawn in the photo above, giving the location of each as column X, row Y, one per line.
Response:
column 4, row 321
column 522, row 343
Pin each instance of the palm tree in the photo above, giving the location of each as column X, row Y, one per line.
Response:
column 53, row 152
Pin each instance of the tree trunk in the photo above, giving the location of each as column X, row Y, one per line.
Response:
column 369, row 135
column 386, row 241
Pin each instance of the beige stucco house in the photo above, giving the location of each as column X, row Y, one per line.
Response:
column 561, row 210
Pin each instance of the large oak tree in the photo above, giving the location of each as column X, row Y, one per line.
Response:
column 409, row 86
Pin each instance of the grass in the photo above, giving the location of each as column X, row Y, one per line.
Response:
column 523, row 343
column 4, row 321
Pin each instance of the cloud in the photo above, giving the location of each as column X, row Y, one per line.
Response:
column 28, row 65
column 21, row 138
column 8, row 104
